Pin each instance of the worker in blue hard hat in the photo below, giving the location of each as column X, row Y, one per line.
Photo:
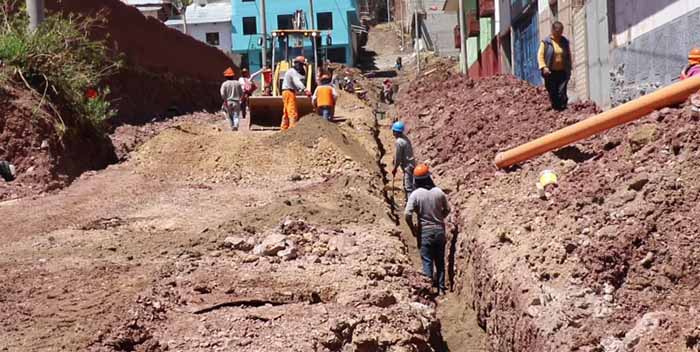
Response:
column 403, row 158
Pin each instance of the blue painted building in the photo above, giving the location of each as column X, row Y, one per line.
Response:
column 336, row 17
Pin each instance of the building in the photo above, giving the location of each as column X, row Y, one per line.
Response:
column 208, row 21
column 482, row 30
column 336, row 17
column 160, row 9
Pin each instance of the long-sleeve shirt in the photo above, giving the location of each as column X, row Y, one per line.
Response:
column 558, row 61
column 404, row 153
column 231, row 91
column 293, row 80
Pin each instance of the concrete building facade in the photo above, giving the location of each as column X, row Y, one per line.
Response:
column 208, row 21
column 336, row 18
column 649, row 44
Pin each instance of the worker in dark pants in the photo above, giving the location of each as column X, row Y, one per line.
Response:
column 554, row 59
column 430, row 203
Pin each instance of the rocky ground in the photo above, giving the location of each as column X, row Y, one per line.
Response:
column 606, row 262
column 211, row 240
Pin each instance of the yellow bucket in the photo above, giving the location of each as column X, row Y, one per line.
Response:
column 548, row 177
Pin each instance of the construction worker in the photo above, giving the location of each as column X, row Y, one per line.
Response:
column 7, row 171
column 324, row 98
column 293, row 82
column 430, row 203
column 248, row 85
column 693, row 67
column 399, row 64
column 554, row 59
column 388, row 92
column 231, row 94
column 403, row 157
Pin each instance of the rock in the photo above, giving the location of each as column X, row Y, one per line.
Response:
column 344, row 244
column 288, row 254
column 382, row 299
column 271, row 245
column 639, row 182
column 642, row 136
column 238, row 243
column 648, row 259
column 611, row 344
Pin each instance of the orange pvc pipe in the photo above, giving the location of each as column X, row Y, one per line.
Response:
column 633, row 110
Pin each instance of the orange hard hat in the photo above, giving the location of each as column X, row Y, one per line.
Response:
column 300, row 59
column 421, row 171
column 694, row 54
column 229, row 72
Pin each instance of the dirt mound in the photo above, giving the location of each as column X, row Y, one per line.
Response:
column 45, row 159
column 164, row 69
column 312, row 128
column 607, row 262
column 463, row 123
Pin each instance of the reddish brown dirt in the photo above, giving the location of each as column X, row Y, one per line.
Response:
column 608, row 262
column 169, row 250
column 164, row 68
column 29, row 139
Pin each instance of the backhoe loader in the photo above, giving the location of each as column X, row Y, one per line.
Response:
column 266, row 111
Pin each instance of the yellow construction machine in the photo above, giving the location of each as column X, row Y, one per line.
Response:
column 266, row 111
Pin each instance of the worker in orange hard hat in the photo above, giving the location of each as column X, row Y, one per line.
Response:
column 324, row 98
column 430, row 203
column 231, row 93
column 693, row 67
column 292, row 84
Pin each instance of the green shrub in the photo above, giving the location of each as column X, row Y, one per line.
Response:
column 61, row 62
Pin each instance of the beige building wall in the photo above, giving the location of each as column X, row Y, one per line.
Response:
column 580, row 74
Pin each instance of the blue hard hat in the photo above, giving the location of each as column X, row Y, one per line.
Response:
column 398, row 126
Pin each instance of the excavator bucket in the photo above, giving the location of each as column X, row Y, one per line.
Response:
column 266, row 112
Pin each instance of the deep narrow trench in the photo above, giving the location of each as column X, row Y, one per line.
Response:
column 459, row 330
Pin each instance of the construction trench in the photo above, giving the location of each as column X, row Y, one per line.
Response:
column 203, row 239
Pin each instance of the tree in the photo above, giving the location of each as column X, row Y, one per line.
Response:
column 181, row 5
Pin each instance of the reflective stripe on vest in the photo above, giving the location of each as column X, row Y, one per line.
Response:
column 324, row 96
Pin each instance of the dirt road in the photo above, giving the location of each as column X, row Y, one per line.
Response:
column 212, row 240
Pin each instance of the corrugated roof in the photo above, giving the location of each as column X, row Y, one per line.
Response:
column 210, row 13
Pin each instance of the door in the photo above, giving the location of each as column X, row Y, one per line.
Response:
column 526, row 43
column 598, row 52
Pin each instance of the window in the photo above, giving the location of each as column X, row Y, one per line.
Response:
column 324, row 20
column 213, row 38
column 284, row 21
column 336, row 55
column 250, row 26
column 248, row 0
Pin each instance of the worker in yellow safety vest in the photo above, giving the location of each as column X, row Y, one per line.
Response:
column 324, row 98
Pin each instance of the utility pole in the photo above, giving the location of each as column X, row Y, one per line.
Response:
column 313, row 16
column 35, row 9
column 462, row 40
column 263, row 17
column 388, row 11
column 401, row 24
column 417, row 35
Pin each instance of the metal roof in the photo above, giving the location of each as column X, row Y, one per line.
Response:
column 214, row 12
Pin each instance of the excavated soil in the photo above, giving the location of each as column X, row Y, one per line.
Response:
column 29, row 139
column 210, row 240
column 607, row 262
